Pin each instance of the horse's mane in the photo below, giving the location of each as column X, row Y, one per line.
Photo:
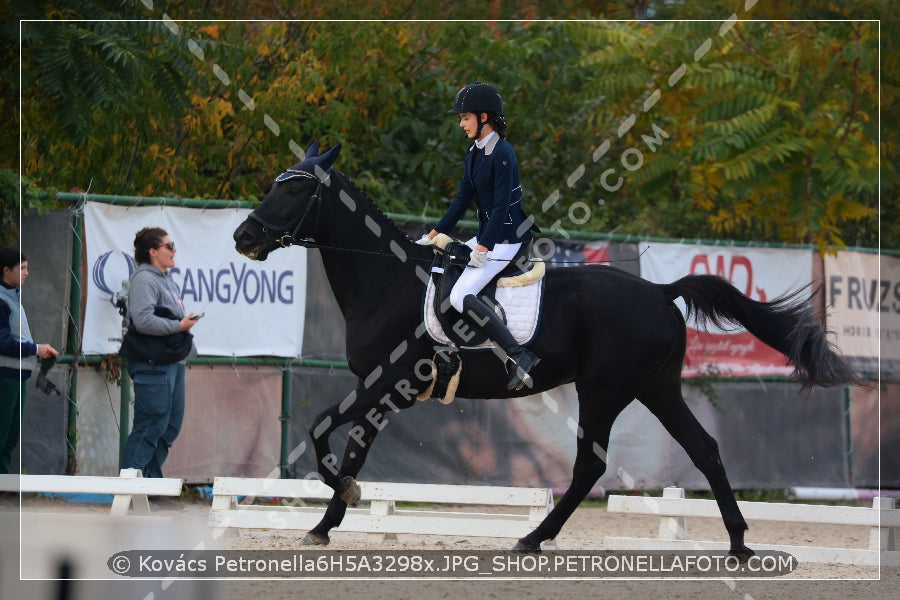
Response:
column 358, row 193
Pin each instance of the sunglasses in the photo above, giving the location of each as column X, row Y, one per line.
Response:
column 169, row 245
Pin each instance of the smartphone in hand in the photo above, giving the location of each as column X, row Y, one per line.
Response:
column 197, row 316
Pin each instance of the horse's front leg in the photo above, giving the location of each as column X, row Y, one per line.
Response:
column 320, row 432
column 371, row 418
column 362, row 434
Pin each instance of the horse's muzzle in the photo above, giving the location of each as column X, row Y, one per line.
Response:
column 245, row 243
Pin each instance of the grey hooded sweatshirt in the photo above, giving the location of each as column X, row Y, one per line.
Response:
column 148, row 288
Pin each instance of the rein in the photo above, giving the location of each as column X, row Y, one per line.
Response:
column 287, row 235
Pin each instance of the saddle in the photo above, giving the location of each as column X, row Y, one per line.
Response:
column 446, row 270
column 515, row 294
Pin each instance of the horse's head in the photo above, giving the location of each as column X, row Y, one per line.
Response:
column 289, row 212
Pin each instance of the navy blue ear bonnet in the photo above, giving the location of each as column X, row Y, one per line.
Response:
column 312, row 166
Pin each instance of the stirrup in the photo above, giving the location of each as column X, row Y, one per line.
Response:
column 519, row 376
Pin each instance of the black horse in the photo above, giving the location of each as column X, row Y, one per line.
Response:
column 617, row 336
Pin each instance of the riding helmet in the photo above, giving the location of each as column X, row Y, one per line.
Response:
column 478, row 97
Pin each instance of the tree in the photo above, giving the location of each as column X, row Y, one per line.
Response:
column 771, row 137
column 737, row 148
column 76, row 78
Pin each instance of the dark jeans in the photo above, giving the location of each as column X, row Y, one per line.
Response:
column 11, row 390
column 158, row 412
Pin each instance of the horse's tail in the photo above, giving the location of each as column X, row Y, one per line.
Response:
column 787, row 324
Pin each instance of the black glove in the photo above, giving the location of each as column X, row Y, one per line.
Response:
column 41, row 382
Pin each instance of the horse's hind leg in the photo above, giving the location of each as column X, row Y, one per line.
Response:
column 669, row 407
column 595, row 419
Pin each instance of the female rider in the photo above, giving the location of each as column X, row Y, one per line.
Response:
column 490, row 180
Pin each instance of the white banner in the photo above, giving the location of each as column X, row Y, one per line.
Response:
column 760, row 273
column 863, row 296
column 252, row 308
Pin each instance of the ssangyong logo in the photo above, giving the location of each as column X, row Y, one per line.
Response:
column 232, row 283
column 111, row 271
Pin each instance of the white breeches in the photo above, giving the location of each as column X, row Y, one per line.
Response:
column 474, row 279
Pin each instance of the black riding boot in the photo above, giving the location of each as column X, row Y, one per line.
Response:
column 519, row 360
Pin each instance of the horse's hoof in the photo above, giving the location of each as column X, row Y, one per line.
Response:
column 351, row 493
column 315, row 539
column 742, row 553
column 523, row 547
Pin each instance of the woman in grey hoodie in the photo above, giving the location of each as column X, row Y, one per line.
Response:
column 155, row 307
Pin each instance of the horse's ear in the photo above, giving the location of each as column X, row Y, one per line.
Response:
column 312, row 151
column 326, row 161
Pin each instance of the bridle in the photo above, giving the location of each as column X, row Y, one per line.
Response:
column 288, row 235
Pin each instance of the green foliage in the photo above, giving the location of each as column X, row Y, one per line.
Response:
column 77, row 73
column 10, row 207
column 770, row 136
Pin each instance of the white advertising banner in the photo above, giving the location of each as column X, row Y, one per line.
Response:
column 863, row 295
column 251, row 308
column 760, row 273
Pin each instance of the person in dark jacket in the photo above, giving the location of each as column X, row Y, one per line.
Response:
column 18, row 351
column 491, row 181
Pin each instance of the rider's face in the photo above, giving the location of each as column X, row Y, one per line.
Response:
column 469, row 123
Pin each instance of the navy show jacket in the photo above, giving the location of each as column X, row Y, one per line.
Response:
column 491, row 181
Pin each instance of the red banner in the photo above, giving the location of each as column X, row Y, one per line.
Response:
column 760, row 273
